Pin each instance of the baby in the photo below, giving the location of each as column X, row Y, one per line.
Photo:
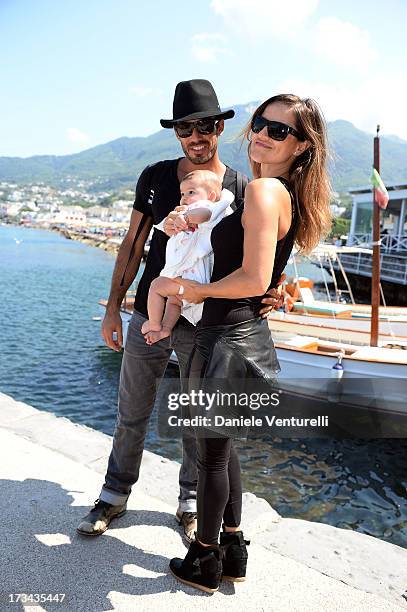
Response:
column 189, row 253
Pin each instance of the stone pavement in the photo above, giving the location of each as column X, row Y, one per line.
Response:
column 51, row 471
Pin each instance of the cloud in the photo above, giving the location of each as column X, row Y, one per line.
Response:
column 77, row 136
column 343, row 43
column 259, row 18
column 364, row 104
column 336, row 41
column 208, row 47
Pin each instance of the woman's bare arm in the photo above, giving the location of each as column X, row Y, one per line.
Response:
column 265, row 201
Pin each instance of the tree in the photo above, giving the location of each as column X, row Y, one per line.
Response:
column 339, row 226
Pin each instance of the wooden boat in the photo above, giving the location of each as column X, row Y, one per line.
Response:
column 374, row 378
column 332, row 314
column 308, row 362
column 327, row 329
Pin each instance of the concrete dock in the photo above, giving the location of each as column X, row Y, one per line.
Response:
column 51, row 471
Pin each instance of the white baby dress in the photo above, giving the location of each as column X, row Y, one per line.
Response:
column 189, row 254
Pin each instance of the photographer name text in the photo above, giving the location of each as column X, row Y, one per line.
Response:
column 252, row 421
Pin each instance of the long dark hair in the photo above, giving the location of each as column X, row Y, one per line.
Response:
column 308, row 173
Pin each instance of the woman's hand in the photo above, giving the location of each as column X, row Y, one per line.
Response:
column 169, row 224
column 276, row 298
column 192, row 290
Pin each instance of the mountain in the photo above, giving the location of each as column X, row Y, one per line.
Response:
column 352, row 152
column 119, row 162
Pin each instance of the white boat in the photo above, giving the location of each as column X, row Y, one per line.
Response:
column 309, row 365
column 337, row 319
column 313, row 336
column 326, row 329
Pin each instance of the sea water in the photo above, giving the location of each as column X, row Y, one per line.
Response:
column 53, row 357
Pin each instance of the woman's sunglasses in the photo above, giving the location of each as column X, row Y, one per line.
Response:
column 184, row 129
column 275, row 129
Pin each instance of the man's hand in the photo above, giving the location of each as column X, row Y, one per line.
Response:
column 276, row 298
column 112, row 326
column 169, row 223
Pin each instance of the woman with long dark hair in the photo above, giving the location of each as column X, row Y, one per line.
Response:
column 287, row 202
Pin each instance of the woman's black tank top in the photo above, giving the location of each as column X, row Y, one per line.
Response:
column 227, row 243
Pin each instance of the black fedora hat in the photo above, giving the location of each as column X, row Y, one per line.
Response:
column 195, row 99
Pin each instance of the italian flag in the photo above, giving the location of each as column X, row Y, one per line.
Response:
column 380, row 192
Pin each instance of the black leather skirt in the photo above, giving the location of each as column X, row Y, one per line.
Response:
column 230, row 365
column 243, row 349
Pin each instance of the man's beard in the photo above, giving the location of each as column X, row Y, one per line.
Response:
column 200, row 159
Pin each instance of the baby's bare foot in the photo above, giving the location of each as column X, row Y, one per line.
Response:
column 155, row 336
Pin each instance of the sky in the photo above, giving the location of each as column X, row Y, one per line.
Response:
column 78, row 73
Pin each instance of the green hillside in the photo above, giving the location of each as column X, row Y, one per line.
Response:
column 119, row 162
column 352, row 152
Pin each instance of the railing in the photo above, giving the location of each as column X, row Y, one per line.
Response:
column 393, row 269
column 389, row 243
column 359, row 239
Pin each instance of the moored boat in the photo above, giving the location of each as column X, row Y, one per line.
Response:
column 308, row 366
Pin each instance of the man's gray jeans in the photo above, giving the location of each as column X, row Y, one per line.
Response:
column 142, row 369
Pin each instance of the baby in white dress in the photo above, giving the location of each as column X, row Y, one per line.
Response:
column 189, row 253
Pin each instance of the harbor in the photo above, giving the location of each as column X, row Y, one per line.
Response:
column 51, row 471
column 243, row 447
column 54, row 358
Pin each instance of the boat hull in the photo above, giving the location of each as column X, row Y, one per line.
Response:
column 373, row 387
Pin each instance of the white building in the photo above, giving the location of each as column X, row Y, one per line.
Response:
column 393, row 219
column 393, row 234
column 70, row 215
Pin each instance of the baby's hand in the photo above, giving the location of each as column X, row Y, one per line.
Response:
column 169, row 223
column 180, row 225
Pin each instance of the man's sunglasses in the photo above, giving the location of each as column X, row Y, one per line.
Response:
column 184, row 129
column 275, row 129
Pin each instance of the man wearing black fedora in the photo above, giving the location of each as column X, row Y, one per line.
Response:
column 197, row 121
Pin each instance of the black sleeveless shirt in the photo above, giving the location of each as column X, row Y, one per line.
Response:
column 227, row 243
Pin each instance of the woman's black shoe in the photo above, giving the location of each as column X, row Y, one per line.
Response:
column 201, row 568
column 234, row 553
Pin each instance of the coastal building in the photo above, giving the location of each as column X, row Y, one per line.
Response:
column 70, row 215
column 393, row 234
